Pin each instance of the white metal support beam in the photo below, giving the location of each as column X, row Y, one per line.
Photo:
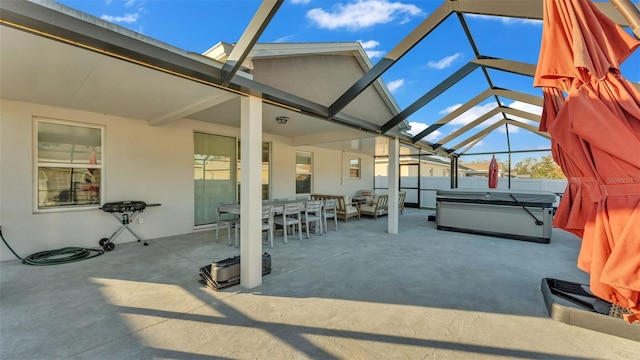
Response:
column 469, row 126
column 251, row 191
column 528, row 127
column 520, row 113
column 511, row 66
column 477, row 135
column 452, row 115
column 519, row 96
column 394, row 185
column 252, row 32
column 524, row 9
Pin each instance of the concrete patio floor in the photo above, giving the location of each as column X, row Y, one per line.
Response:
column 358, row 293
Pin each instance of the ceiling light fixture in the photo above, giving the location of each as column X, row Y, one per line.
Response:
column 282, row 120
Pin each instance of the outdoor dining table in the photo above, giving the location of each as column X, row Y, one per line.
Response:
column 278, row 206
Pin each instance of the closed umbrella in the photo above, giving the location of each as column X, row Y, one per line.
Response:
column 595, row 135
column 582, row 188
column 493, row 173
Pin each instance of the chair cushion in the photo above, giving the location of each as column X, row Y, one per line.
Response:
column 367, row 208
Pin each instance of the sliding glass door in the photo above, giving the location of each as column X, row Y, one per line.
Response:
column 216, row 163
column 215, row 174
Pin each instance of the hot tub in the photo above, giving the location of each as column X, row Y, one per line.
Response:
column 514, row 214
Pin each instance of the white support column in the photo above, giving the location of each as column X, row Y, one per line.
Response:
column 251, row 191
column 394, row 185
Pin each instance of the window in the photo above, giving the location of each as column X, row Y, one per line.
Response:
column 303, row 172
column 354, row 168
column 266, row 160
column 68, row 164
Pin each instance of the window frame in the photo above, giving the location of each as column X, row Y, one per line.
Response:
column 310, row 172
column 358, row 169
column 37, row 165
column 265, row 190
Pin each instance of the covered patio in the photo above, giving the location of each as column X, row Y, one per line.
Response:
column 358, row 293
column 395, row 288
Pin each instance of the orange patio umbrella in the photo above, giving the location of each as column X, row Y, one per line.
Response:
column 595, row 136
column 582, row 188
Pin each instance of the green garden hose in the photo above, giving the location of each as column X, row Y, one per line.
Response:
column 55, row 257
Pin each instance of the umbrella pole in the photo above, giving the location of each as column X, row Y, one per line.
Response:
column 630, row 13
column 509, row 177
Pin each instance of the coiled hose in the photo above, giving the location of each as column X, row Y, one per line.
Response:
column 54, row 257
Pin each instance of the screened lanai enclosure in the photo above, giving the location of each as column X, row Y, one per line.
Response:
column 481, row 103
column 496, row 109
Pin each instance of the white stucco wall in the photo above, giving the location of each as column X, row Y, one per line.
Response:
column 141, row 162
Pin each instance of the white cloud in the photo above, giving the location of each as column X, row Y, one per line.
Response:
column 395, row 84
column 363, row 14
column 519, row 105
column 449, row 109
column 369, row 46
column 417, row 127
column 302, row 2
column 444, row 62
column 127, row 18
column 283, row 39
column 512, row 129
column 372, row 54
column 471, row 114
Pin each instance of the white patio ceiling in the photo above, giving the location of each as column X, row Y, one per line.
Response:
column 54, row 55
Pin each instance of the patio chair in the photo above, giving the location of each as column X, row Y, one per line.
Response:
column 401, row 196
column 378, row 206
column 225, row 219
column 267, row 225
column 313, row 213
column 290, row 217
column 329, row 211
column 367, row 195
column 347, row 209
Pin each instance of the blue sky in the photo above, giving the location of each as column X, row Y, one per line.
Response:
column 197, row 25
